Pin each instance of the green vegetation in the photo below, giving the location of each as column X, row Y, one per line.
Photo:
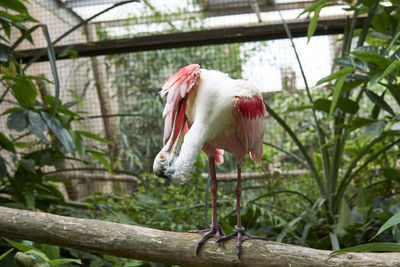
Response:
column 347, row 137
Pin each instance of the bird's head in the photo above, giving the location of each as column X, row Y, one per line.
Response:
column 162, row 163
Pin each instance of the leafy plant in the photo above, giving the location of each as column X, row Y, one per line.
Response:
column 47, row 254
column 39, row 129
column 360, row 71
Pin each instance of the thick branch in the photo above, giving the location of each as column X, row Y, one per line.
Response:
column 169, row 247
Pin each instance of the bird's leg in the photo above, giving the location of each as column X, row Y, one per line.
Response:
column 215, row 230
column 239, row 234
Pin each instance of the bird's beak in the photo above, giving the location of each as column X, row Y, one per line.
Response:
column 163, row 165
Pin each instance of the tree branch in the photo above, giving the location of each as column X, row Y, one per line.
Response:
column 169, row 247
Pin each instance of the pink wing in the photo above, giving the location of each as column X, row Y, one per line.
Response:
column 178, row 87
column 249, row 113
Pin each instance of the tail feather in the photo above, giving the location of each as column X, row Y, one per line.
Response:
column 219, row 156
column 249, row 114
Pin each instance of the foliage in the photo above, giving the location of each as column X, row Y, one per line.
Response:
column 46, row 254
column 368, row 70
column 39, row 130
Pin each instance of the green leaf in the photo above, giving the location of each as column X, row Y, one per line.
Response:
column 395, row 219
column 289, row 226
column 53, row 252
column 345, row 104
column 379, row 101
column 56, row 262
column 345, row 219
column 4, row 53
column 14, row 5
column 364, row 199
column 100, row 157
column 53, row 65
column 2, row 256
column 57, row 180
column 7, row 30
column 336, row 93
column 37, row 125
column 384, row 74
column 395, row 91
column 392, row 174
column 378, row 246
column 334, row 241
column 322, row 104
column 20, row 246
column 313, row 23
column 377, row 109
column 393, row 41
column 59, row 131
column 360, row 122
column 80, row 146
column 6, row 143
column 364, row 202
column 38, row 253
column 375, row 58
column 50, row 100
column 351, row 61
column 94, row 136
column 368, row 3
column 17, row 120
column 336, row 75
column 25, row 92
column 3, row 169
column 28, row 164
column 10, row 110
column 375, row 129
column 347, row 86
column 297, row 108
column 314, row 6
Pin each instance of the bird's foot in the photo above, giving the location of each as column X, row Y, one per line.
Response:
column 240, row 236
column 214, row 231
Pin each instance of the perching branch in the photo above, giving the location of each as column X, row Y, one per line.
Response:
column 169, row 247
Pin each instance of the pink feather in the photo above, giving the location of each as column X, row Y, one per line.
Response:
column 178, row 87
column 249, row 115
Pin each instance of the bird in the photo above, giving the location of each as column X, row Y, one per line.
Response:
column 206, row 110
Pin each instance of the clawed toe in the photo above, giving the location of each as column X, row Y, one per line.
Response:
column 240, row 236
column 216, row 232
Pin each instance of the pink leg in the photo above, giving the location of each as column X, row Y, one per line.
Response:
column 215, row 230
column 239, row 234
column 213, row 188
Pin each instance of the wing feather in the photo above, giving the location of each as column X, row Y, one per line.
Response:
column 178, row 86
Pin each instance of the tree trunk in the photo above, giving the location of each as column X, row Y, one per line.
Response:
column 169, row 247
column 105, row 107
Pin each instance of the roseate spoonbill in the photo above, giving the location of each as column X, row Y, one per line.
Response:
column 207, row 110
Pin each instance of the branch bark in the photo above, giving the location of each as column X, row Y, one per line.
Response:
column 169, row 247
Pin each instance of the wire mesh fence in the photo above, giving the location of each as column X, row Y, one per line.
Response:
column 120, row 91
